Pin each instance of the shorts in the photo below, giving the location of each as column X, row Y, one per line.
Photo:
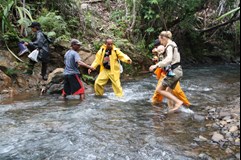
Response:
column 172, row 81
column 73, row 85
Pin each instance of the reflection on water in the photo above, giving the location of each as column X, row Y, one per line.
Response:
column 110, row 128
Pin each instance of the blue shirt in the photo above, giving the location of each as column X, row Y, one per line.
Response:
column 71, row 60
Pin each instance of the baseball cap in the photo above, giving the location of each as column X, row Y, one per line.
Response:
column 157, row 43
column 35, row 24
column 75, row 42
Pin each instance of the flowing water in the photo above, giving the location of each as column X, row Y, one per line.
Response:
column 46, row 128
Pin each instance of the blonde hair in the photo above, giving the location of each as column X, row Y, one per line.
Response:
column 167, row 34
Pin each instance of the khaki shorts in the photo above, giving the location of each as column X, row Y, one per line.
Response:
column 172, row 81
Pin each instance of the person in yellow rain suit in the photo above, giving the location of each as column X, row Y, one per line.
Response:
column 159, row 51
column 108, row 58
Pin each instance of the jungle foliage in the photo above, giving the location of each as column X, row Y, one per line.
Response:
column 135, row 24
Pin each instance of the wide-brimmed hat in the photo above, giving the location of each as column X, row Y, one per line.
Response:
column 75, row 42
column 35, row 24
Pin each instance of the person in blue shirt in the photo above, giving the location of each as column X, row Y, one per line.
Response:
column 72, row 81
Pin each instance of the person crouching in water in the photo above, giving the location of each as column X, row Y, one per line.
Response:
column 72, row 82
column 172, row 58
column 108, row 59
column 159, row 52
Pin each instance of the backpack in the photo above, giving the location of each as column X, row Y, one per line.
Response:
column 49, row 40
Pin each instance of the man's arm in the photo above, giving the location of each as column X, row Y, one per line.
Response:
column 80, row 63
column 123, row 57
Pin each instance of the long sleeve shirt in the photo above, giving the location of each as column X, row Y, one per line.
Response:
column 172, row 56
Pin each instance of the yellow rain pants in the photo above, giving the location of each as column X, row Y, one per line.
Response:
column 178, row 92
column 103, row 79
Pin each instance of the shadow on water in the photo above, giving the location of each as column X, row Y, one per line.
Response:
column 110, row 128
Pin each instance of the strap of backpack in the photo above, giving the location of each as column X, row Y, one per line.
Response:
column 173, row 46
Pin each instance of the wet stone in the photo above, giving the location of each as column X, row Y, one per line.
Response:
column 194, row 145
column 229, row 151
column 204, row 156
column 216, row 126
column 223, row 123
column 224, row 114
column 212, row 110
column 237, row 142
column 233, row 129
column 200, row 139
column 217, row 137
column 199, row 118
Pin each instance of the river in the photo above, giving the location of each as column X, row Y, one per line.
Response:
column 46, row 128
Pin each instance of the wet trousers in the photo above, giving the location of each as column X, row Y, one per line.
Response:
column 31, row 65
column 103, row 79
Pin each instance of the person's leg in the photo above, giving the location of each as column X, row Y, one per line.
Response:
column 44, row 71
column 116, row 85
column 157, row 97
column 100, row 83
column 166, row 92
column 82, row 97
column 67, row 88
column 171, row 104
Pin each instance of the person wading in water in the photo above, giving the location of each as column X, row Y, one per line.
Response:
column 108, row 59
column 159, row 52
column 173, row 58
column 72, row 81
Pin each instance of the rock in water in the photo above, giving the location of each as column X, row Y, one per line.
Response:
column 233, row 129
column 204, row 156
column 199, row 118
column 217, row 137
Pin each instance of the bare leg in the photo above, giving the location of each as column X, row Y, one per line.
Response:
column 171, row 104
column 82, row 97
column 166, row 93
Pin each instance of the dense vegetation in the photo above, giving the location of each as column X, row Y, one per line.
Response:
column 200, row 27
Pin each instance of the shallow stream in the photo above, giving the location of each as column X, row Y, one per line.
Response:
column 46, row 128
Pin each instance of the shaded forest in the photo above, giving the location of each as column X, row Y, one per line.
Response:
column 205, row 31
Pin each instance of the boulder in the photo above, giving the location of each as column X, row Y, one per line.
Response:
column 56, row 76
column 87, row 57
column 21, row 81
column 55, row 83
column 5, row 81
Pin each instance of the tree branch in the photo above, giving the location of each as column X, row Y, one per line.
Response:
column 220, row 25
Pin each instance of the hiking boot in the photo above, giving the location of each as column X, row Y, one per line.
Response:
column 23, row 52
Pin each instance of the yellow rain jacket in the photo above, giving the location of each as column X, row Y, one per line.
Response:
column 113, row 74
